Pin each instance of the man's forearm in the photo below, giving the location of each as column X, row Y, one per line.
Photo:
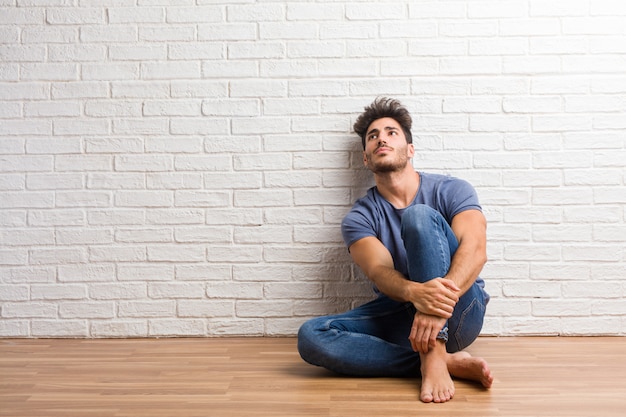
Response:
column 465, row 266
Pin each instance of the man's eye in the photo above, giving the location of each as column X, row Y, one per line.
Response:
column 373, row 137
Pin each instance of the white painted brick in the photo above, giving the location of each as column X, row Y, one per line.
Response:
column 133, row 52
column 115, row 71
column 239, row 254
column 206, row 308
column 122, row 329
column 264, row 308
column 176, row 253
column 556, row 45
column 136, row 15
column 29, row 310
column 145, row 272
column 59, row 328
column 14, row 328
column 87, row 310
column 22, row 127
column 592, row 214
column 202, row 14
column 469, row 66
column 144, row 199
column 262, row 234
column 27, row 200
column 31, row 274
column 87, row 273
column 524, row 252
column 143, row 163
column 317, row 12
column 175, row 216
column 118, row 217
column 49, row 72
column 146, row 126
column 203, row 234
column 304, row 254
column 357, row 67
column 146, row 309
column 530, row 104
column 563, row 196
column 262, row 273
column 14, row 293
column 117, row 254
column 196, row 126
column 161, row 33
column 287, row 31
column 115, row 181
column 176, row 327
column 80, row 53
column 203, row 272
column 83, row 199
column 29, row 53
column 81, row 127
column 44, row 218
column 37, row 181
column 238, row 216
column 186, row 290
column 174, row 181
column 256, row 13
column 167, row 145
column 229, row 290
column 117, row 291
column 376, row 11
column 202, row 199
column 237, row 327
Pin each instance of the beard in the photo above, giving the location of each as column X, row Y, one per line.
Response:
column 394, row 162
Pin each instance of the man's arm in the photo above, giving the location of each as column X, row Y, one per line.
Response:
column 470, row 229
column 436, row 297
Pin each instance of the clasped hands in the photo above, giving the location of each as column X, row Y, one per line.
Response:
column 434, row 301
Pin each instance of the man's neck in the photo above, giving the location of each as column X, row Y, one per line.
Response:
column 399, row 188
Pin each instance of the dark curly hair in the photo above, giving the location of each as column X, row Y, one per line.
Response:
column 384, row 107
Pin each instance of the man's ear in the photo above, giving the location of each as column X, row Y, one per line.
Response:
column 410, row 150
column 364, row 158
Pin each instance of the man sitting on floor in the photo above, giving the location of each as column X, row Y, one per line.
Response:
column 421, row 239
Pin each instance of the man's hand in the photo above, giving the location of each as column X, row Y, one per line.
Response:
column 424, row 332
column 436, row 297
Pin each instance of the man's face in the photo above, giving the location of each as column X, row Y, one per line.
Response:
column 386, row 149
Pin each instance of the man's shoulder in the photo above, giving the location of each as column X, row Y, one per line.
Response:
column 437, row 181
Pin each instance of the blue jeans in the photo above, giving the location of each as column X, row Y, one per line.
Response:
column 372, row 340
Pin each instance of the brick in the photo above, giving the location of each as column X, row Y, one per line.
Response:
column 176, row 327
column 145, row 272
column 59, row 328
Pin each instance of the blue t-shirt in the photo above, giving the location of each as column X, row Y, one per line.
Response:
column 372, row 215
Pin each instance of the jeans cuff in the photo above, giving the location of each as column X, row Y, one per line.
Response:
column 443, row 334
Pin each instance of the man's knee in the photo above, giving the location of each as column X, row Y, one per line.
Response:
column 419, row 217
column 307, row 340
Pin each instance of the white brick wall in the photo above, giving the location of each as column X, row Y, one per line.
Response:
column 181, row 170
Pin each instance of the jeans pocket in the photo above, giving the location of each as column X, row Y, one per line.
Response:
column 470, row 324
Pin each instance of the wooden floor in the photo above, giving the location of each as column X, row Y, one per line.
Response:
column 265, row 377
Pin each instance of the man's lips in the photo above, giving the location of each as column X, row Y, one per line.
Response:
column 382, row 149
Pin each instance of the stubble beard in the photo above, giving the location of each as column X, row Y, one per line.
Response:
column 397, row 164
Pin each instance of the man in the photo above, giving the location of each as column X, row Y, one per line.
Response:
column 421, row 239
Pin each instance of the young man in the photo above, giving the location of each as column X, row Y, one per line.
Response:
column 421, row 239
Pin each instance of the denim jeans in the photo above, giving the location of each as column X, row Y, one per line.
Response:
column 372, row 340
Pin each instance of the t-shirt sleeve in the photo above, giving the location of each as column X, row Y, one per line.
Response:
column 457, row 196
column 356, row 225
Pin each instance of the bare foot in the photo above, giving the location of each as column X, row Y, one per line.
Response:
column 463, row 365
column 437, row 385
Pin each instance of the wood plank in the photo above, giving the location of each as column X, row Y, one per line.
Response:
column 534, row 376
